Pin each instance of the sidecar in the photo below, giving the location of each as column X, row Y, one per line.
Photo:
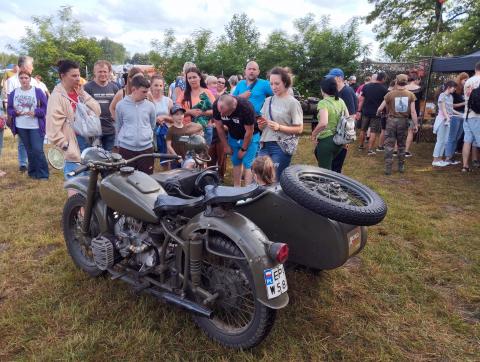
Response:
column 321, row 215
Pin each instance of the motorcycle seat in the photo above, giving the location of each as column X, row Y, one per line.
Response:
column 167, row 203
column 225, row 194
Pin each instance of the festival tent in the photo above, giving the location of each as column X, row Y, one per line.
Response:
column 464, row 63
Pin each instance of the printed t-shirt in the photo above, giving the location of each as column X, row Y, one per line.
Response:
column 242, row 116
column 398, row 103
column 195, row 101
column 470, row 85
column 448, row 100
column 174, row 133
column 104, row 96
column 25, row 101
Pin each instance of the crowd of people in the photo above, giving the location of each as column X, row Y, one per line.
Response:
column 257, row 123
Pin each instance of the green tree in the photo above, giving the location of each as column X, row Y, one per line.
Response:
column 407, row 28
column 317, row 47
column 112, row 51
column 239, row 44
column 140, row 58
column 56, row 37
column 6, row 59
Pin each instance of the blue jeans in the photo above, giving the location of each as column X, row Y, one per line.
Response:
column 1, row 141
column 22, row 153
column 33, row 142
column 281, row 160
column 456, row 129
column 108, row 141
column 72, row 166
column 208, row 133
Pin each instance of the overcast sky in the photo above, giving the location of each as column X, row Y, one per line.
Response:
column 135, row 23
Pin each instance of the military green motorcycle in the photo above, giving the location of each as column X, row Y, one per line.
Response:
column 215, row 263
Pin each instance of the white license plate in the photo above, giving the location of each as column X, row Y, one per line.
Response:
column 354, row 240
column 275, row 281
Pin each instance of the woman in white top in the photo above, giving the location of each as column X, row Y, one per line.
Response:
column 163, row 104
column 27, row 106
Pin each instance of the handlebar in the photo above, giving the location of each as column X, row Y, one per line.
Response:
column 118, row 164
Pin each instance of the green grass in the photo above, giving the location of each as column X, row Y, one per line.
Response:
column 412, row 294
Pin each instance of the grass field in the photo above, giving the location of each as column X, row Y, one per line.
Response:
column 412, row 294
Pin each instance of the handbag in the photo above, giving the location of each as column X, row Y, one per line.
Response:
column 288, row 143
column 86, row 123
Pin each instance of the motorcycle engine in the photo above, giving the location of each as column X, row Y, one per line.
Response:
column 134, row 243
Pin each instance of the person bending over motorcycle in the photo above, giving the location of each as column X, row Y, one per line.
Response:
column 243, row 137
column 178, row 129
column 134, row 124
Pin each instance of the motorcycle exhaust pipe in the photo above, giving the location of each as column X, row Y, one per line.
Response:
column 166, row 296
column 178, row 301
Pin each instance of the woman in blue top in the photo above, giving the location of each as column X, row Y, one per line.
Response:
column 330, row 109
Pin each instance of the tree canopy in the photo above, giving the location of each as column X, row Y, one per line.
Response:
column 310, row 51
column 407, row 28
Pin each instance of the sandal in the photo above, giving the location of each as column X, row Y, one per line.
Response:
column 466, row 169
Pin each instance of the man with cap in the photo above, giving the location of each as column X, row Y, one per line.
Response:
column 243, row 137
column 349, row 97
column 177, row 130
column 400, row 105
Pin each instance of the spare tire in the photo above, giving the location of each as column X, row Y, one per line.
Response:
column 333, row 195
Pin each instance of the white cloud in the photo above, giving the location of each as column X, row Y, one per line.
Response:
column 136, row 23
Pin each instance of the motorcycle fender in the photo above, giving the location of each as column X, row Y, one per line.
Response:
column 250, row 240
column 80, row 184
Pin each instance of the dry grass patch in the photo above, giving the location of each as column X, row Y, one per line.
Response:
column 412, row 294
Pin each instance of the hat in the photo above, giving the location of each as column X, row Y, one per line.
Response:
column 335, row 72
column 402, row 78
column 177, row 108
column 352, row 77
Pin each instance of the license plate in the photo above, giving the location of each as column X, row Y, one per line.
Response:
column 354, row 240
column 275, row 281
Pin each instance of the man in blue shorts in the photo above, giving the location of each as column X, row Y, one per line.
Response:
column 243, row 138
column 253, row 88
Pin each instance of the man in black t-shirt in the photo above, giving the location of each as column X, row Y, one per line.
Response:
column 243, row 134
column 370, row 99
column 103, row 91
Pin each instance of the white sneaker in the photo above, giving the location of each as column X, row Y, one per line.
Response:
column 439, row 163
column 451, row 162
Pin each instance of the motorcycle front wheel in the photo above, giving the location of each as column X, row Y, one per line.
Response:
column 79, row 245
column 240, row 320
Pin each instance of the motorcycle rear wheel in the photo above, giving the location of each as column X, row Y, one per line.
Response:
column 78, row 245
column 240, row 320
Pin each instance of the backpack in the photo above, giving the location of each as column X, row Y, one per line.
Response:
column 345, row 132
column 474, row 101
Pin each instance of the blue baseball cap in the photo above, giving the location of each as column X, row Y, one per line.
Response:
column 335, row 72
column 176, row 108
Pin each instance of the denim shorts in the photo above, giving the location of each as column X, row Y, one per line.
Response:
column 250, row 154
column 471, row 127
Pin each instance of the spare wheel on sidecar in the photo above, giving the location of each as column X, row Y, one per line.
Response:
column 333, row 195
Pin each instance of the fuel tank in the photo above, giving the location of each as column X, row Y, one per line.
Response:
column 131, row 193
